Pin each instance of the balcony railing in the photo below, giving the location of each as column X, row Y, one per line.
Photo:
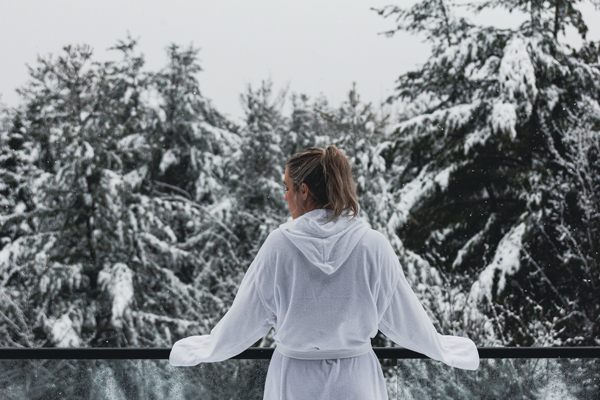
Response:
column 257, row 353
column 126, row 373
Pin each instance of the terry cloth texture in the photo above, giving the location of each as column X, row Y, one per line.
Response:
column 325, row 287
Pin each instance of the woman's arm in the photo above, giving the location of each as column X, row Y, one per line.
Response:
column 406, row 322
column 246, row 322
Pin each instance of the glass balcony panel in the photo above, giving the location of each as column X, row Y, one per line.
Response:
column 564, row 379
column 130, row 380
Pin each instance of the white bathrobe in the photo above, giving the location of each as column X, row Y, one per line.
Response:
column 327, row 289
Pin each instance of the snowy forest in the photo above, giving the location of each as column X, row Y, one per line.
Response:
column 131, row 207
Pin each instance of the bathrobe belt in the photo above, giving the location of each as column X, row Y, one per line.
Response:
column 323, row 354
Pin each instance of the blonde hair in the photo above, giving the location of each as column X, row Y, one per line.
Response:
column 328, row 175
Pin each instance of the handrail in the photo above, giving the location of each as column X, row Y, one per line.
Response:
column 253, row 353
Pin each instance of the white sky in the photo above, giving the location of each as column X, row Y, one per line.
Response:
column 315, row 47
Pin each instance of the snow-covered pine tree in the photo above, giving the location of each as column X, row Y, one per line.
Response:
column 18, row 202
column 260, row 167
column 191, row 140
column 564, row 248
column 306, row 128
column 186, row 193
column 15, row 166
column 469, row 201
column 186, row 260
column 51, row 289
column 50, row 264
column 357, row 129
column 104, row 253
column 102, row 263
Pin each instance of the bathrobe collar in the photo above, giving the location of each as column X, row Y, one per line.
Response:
column 325, row 245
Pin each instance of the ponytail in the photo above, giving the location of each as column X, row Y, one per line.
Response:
column 328, row 175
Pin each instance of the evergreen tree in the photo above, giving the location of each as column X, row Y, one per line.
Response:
column 477, row 182
column 260, row 167
column 563, row 252
column 358, row 130
column 187, row 189
column 307, row 128
column 191, row 140
column 60, row 249
column 471, row 159
column 97, row 249
column 108, row 260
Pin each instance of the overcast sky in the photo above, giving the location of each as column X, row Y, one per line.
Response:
column 313, row 46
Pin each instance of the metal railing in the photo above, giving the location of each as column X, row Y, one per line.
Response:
column 254, row 353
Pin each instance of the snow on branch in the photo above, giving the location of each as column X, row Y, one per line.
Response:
column 473, row 241
column 416, row 190
column 517, row 73
column 63, row 332
column 449, row 119
column 117, row 280
column 506, row 262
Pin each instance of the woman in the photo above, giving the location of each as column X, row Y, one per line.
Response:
column 327, row 283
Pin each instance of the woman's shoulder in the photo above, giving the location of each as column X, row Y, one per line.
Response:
column 276, row 237
column 374, row 239
column 275, row 242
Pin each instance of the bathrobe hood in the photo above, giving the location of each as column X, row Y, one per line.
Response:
column 325, row 245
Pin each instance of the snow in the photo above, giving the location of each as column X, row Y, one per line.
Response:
column 174, row 253
column 409, row 195
column 13, row 253
column 20, row 208
column 63, row 333
column 117, row 280
column 473, row 241
column 377, row 161
column 168, row 159
column 459, row 55
column 552, row 95
column 416, row 190
column 478, row 137
column 591, row 105
column 488, row 68
column 443, row 178
column 133, row 141
column 506, row 262
column 460, row 115
column 135, row 178
column 88, row 151
column 448, row 119
column 153, row 99
column 516, row 74
column 221, row 135
column 169, row 232
column 504, row 119
column 127, row 95
column 182, row 324
column 556, row 389
column 112, row 182
column 221, row 209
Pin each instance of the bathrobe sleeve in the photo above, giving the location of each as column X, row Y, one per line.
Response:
column 406, row 322
column 246, row 322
